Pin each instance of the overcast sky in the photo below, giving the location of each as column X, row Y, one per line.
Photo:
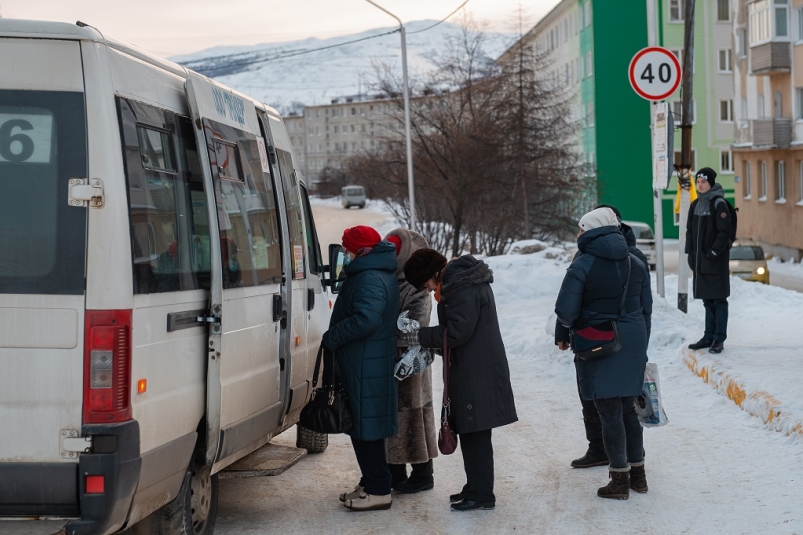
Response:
column 170, row 27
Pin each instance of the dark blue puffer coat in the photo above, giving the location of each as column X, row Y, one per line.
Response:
column 590, row 294
column 362, row 332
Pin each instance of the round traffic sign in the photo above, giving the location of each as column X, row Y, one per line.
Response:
column 654, row 73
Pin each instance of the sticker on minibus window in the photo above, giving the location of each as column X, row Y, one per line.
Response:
column 298, row 262
column 26, row 137
column 263, row 155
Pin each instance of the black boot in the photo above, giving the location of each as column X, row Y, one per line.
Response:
column 591, row 458
column 618, row 488
column 420, row 479
column 638, row 478
column 717, row 347
column 702, row 343
column 398, row 474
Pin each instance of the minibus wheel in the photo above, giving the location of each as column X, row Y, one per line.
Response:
column 194, row 510
column 310, row 440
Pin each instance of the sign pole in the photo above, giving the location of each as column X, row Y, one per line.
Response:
column 657, row 206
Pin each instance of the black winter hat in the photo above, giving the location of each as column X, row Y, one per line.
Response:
column 422, row 266
column 709, row 174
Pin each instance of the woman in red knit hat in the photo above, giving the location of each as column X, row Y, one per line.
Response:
column 362, row 333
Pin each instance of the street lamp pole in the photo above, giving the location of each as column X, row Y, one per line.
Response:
column 410, row 182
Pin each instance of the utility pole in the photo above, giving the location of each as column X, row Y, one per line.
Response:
column 684, row 168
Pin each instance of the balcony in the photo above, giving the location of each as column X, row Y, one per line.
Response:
column 772, row 132
column 774, row 57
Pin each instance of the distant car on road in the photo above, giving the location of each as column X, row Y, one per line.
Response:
column 645, row 240
column 353, row 196
column 747, row 261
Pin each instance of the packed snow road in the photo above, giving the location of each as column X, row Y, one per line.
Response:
column 713, row 469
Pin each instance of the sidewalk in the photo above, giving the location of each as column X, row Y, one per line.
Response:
column 761, row 369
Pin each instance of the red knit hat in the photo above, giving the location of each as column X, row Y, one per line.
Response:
column 395, row 240
column 355, row 238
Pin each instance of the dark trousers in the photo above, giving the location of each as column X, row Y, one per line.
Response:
column 716, row 319
column 622, row 433
column 421, row 472
column 593, row 428
column 478, row 461
column 373, row 464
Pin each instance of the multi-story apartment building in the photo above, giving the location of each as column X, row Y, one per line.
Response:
column 768, row 131
column 325, row 136
column 589, row 45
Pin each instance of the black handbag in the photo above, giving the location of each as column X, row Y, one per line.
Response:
column 593, row 342
column 328, row 409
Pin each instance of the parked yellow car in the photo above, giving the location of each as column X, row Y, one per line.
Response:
column 747, row 261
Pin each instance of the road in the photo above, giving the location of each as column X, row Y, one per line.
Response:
column 331, row 221
column 781, row 280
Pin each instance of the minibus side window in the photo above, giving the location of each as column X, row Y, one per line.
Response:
column 313, row 246
column 247, row 216
column 167, row 206
column 295, row 216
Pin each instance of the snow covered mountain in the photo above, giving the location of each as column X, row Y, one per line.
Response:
column 277, row 74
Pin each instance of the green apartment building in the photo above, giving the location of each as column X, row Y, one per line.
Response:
column 589, row 44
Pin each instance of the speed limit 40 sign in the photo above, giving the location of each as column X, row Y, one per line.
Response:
column 654, row 73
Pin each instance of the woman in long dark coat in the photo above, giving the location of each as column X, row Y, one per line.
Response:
column 479, row 377
column 415, row 443
column 362, row 333
column 591, row 294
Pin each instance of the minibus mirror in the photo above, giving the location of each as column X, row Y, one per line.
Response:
column 337, row 257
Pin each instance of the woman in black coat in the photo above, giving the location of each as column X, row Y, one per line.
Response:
column 591, row 294
column 479, row 378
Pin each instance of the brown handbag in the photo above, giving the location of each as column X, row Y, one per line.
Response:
column 447, row 438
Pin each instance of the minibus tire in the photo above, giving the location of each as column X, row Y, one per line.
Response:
column 176, row 518
column 310, row 440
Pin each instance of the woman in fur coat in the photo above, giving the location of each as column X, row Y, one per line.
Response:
column 415, row 443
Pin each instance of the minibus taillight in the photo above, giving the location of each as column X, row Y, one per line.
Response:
column 107, row 366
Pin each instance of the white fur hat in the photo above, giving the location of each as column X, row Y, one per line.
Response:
column 599, row 217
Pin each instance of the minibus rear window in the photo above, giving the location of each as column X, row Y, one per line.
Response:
column 42, row 238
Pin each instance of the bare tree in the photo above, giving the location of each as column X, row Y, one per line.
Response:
column 492, row 150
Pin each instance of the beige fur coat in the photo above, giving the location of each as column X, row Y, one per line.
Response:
column 416, row 442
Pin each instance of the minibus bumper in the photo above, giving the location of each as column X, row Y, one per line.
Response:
column 60, row 489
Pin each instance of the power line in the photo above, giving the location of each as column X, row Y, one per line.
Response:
column 301, row 52
column 442, row 20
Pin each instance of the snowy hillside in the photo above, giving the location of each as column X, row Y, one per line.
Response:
column 318, row 77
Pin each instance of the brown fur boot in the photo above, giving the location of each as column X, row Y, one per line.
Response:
column 618, row 488
column 638, row 478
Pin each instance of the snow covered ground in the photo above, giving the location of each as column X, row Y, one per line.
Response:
column 713, row 469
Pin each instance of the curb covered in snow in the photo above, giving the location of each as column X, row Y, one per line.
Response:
column 757, row 403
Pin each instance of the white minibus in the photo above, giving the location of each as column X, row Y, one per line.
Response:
column 162, row 293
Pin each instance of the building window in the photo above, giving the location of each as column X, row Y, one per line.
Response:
column 726, row 111
column 587, row 13
column 723, row 10
column 743, row 123
column 800, row 184
column 676, row 10
column 760, row 23
column 748, row 185
column 725, row 61
column 677, row 110
column 781, row 18
column 589, row 64
column 799, row 103
column 763, row 185
column 760, row 104
column 590, row 114
column 780, row 181
column 741, row 40
column 799, row 17
column 725, row 162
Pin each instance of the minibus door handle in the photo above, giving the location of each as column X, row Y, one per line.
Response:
column 279, row 313
column 310, row 298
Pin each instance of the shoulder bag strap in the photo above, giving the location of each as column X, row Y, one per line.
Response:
column 445, row 369
column 627, row 284
column 317, row 367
